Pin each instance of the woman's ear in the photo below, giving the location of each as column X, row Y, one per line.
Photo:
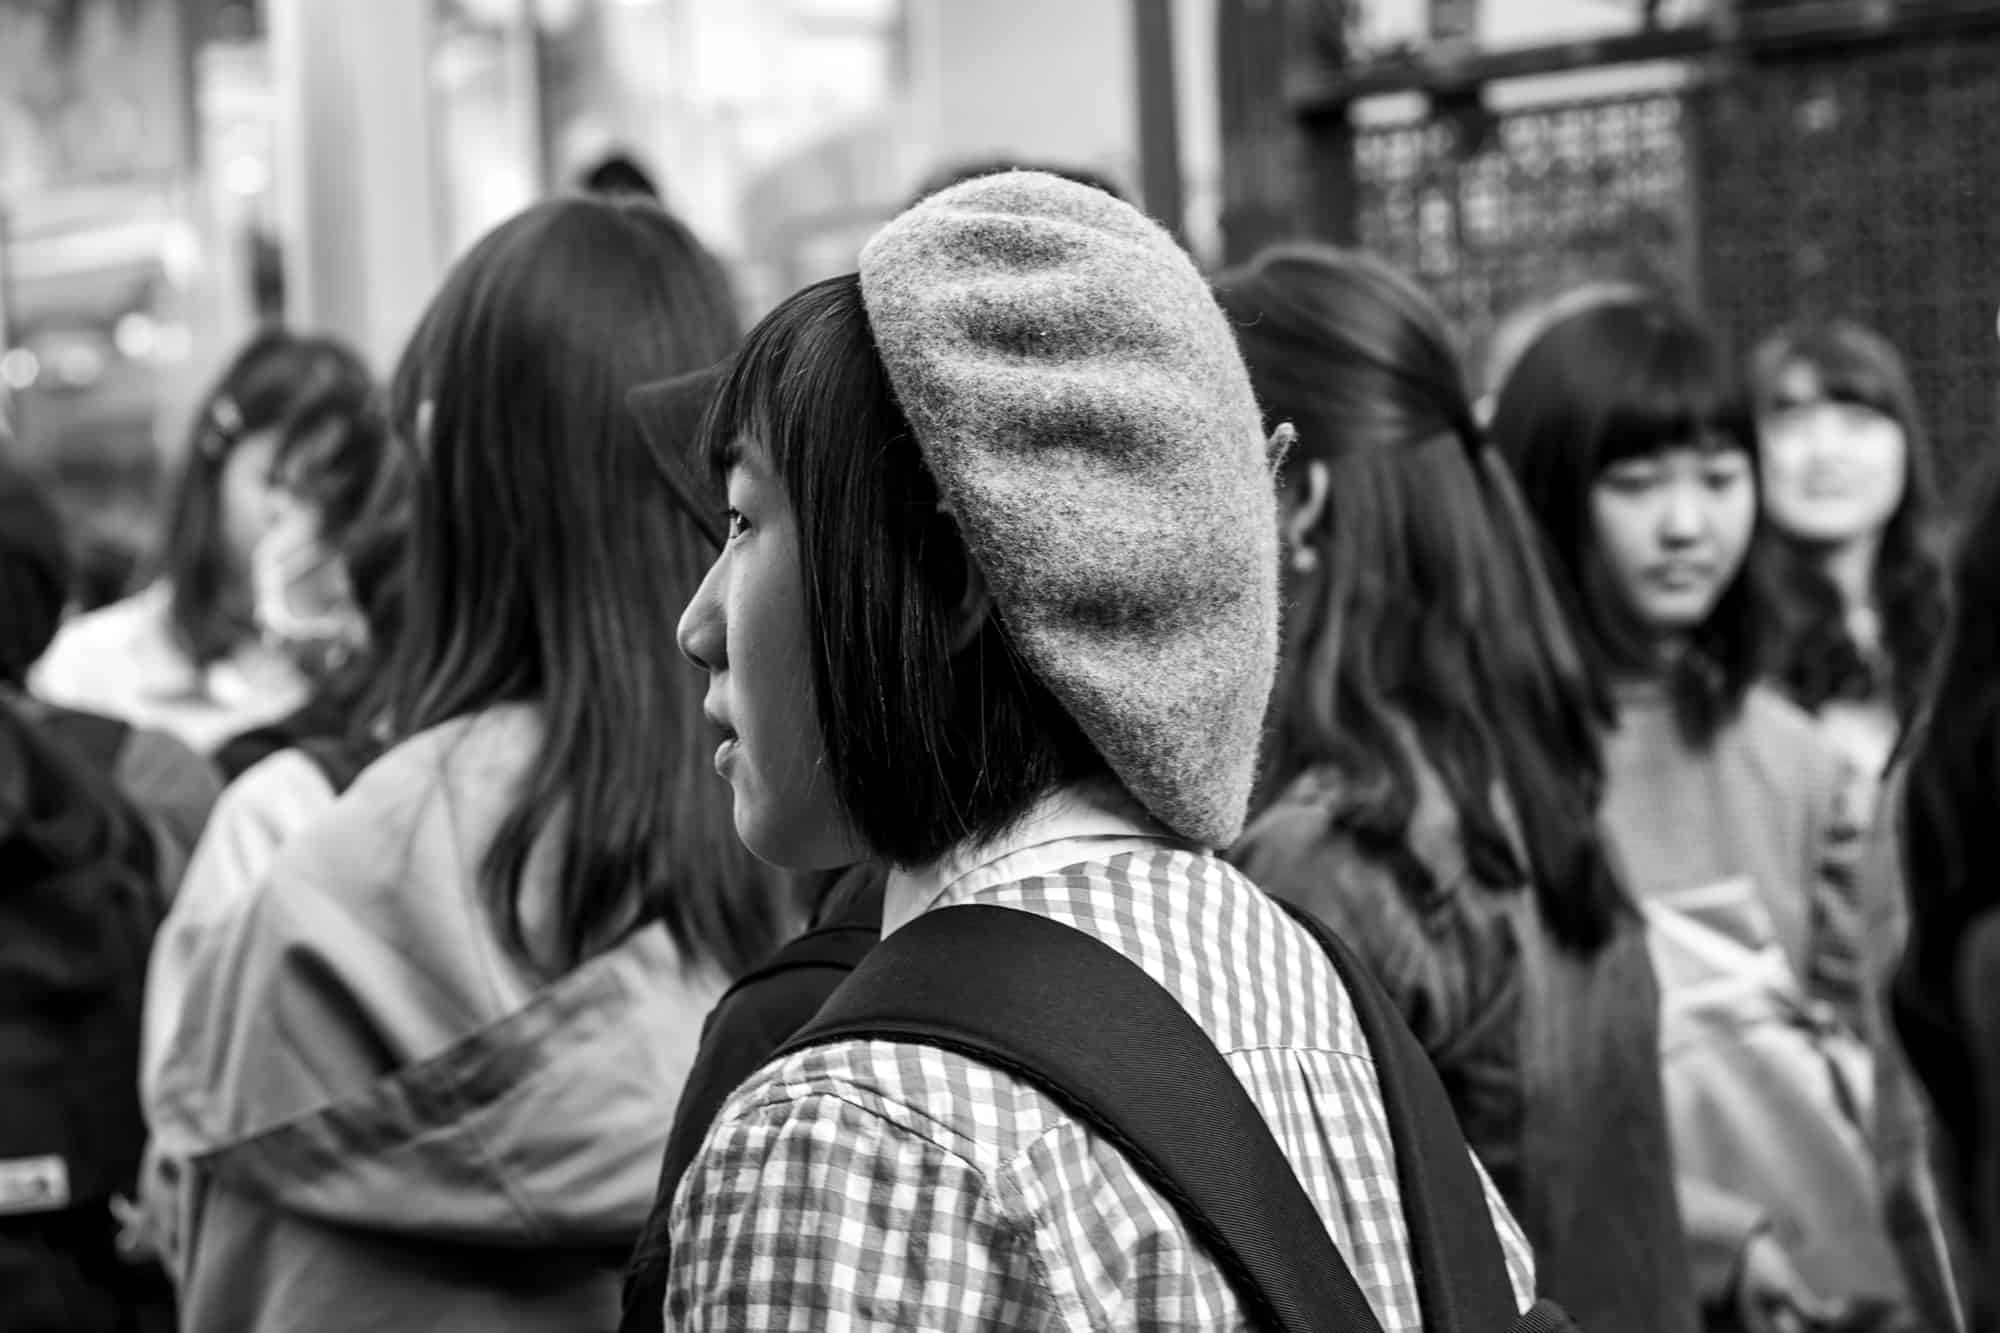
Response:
column 975, row 604
column 1302, row 507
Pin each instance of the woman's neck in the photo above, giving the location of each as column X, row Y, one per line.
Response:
column 1850, row 568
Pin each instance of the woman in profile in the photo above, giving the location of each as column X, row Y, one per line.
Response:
column 426, row 1084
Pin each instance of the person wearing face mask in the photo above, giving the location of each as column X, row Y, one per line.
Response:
column 185, row 654
column 1636, row 448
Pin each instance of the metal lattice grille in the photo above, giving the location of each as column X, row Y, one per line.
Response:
column 1866, row 182
column 1551, row 196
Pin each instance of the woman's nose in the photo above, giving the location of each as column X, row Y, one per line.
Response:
column 701, row 633
column 1681, row 515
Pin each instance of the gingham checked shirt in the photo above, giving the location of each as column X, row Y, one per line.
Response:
column 878, row 1184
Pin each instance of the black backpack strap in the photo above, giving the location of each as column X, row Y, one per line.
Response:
column 1077, row 1019
column 1462, row 1274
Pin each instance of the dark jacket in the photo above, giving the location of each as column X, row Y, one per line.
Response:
column 1551, row 1061
column 751, row 1021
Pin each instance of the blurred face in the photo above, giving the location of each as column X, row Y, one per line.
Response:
column 746, row 627
column 1672, row 529
column 245, row 492
column 1834, row 473
column 303, row 598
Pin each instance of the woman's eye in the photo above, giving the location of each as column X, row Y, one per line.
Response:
column 1628, row 479
column 1721, row 476
column 738, row 525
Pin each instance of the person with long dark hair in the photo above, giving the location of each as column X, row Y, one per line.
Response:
column 427, row 1082
column 1635, row 444
column 1848, row 498
column 999, row 607
column 1434, row 774
column 1849, row 502
column 185, row 654
column 1945, row 991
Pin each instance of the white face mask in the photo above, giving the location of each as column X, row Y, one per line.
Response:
column 304, row 601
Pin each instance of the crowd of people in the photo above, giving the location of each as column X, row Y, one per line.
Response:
column 515, row 863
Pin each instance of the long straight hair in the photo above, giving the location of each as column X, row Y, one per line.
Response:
column 1429, row 613
column 547, row 561
column 1813, row 655
column 1625, row 375
column 267, row 383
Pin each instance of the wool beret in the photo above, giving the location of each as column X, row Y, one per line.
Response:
column 1078, row 396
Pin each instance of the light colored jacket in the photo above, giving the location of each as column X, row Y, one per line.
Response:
column 388, row 1122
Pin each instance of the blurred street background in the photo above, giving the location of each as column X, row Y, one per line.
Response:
column 175, row 172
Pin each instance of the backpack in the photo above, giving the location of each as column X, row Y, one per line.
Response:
column 1004, row 987
column 79, row 905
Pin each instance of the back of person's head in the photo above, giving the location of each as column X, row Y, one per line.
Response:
column 1420, row 604
column 619, row 176
column 1627, row 378
column 216, row 512
column 546, row 561
column 1841, row 368
column 35, row 572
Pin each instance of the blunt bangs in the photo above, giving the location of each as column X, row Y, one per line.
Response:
column 1668, row 388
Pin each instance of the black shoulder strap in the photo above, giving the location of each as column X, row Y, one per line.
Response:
column 1069, row 1014
column 1462, row 1274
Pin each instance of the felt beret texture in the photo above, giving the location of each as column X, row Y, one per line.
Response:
column 1079, row 398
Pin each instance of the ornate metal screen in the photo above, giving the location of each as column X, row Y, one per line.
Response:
column 1493, row 214
column 1809, row 180
column 1866, row 182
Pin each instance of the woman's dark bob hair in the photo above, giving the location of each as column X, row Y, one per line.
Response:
column 931, row 742
column 1626, row 376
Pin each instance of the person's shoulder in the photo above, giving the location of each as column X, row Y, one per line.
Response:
column 122, row 637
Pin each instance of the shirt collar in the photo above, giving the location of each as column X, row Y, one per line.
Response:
column 1081, row 821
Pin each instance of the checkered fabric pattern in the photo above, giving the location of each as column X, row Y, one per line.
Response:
column 876, row 1184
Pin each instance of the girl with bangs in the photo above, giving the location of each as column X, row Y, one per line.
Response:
column 1435, row 772
column 1637, row 450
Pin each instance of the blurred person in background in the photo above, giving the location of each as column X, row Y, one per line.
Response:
column 83, row 897
column 426, row 1083
column 328, row 590
column 1945, row 993
column 339, row 487
column 185, row 654
column 174, row 787
column 1848, row 499
column 1849, row 505
column 1435, row 771
column 1636, row 447
column 618, row 175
